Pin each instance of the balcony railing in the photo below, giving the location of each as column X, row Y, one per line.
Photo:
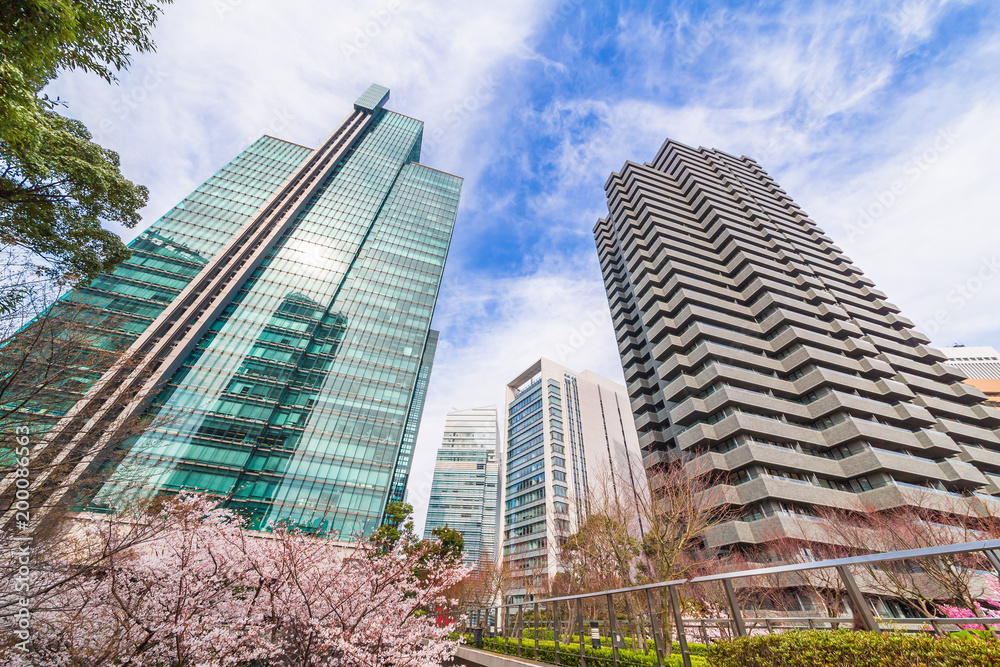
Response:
column 629, row 620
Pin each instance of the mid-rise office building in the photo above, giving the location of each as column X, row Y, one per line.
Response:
column 981, row 366
column 752, row 343
column 571, row 445
column 464, row 493
column 279, row 328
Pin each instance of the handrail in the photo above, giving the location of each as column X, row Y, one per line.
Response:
column 890, row 556
column 736, row 622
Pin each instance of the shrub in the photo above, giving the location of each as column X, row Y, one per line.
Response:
column 549, row 635
column 569, row 653
column 843, row 648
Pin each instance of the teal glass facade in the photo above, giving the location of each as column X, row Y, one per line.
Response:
column 119, row 306
column 302, row 400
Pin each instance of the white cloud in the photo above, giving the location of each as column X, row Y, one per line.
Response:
column 227, row 71
column 493, row 328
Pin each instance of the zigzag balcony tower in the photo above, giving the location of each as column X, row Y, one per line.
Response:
column 279, row 329
column 752, row 344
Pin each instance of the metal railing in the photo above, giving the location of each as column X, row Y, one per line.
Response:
column 627, row 619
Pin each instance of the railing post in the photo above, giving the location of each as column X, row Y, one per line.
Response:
column 657, row 644
column 520, row 630
column 734, row 607
column 504, row 613
column 555, row 628
column 675, row 606
column 536, row 631
column 612, row 629
column 857, row 599
column 994, row 557
column 579, row 623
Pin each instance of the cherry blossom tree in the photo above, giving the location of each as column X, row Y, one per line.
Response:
column 992, row 598
column 208, row 592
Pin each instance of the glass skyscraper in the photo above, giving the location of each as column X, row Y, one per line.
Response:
column 279, row 321
column 464, row 491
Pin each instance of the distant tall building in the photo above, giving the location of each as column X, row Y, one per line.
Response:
column 464, row 492
column 981, row 365
column 571, row 445
column 279, row 321
column 751, row 342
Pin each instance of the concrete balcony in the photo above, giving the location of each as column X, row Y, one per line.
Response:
column 973, row 433
column 696, row 408
column 948, row 391
column 765, row 487
column 968, row 394
column 987, row 413
column 859, row 429
column 746, row 423
column 914, row 415
column 935, row 443
column 902, row 495
column 981, row 457
column 782, row 457
column 913, row 334
column 951, row 409
column 870, row 366
column 840, row 401
column 822, row 377
column 892, row 389
column 874, row 460
column 730, row 532
column 962, row 474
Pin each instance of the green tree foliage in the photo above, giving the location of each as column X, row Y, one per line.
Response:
column 56, row 185
column 445, row 546
column 396, row 526
column 449, row 544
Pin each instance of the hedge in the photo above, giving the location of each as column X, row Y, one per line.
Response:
column 529, row 637
column 844, row 648
column 569, row 655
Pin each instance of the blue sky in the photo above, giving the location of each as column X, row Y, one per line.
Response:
column 878, row 118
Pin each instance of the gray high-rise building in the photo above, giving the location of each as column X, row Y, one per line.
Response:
column 464, row 490
column 278, row 330
column 571, row 449
column 750, row 340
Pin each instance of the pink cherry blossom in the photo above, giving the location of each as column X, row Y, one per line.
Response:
column 207, row 592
